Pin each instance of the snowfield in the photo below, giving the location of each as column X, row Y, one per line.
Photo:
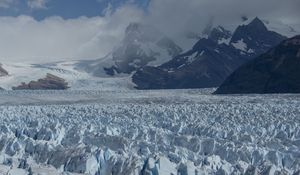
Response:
column 77, row 79
column 179, row 132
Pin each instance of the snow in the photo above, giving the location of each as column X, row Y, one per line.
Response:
column 78, row 80
column 224, row 41
column 240, row 45
column 288, row 30
column 251, row 51
column 191, row 58
column 135, row 132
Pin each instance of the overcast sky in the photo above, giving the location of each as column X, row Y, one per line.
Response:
column 52, row 30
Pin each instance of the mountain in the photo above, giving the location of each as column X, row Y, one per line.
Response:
column 276, row 71
column 147, row 59
column 254, row 38
column 211, row 60
column 142, row 46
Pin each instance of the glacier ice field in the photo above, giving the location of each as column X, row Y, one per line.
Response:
column 163, row 132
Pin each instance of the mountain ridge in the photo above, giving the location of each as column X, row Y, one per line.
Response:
column 209, row 62
column 276, row 71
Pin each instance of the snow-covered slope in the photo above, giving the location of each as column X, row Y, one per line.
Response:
column 23, row 72
column 288, row 30
column 148, row 132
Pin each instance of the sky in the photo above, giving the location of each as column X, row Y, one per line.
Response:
column 54, row 30
column 67, row 9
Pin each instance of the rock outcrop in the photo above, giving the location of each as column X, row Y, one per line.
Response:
column 50, row 82
column 276, row 71
column 3, row 72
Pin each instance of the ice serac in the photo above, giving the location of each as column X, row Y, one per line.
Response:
column 50, row 82
column 180, row 132
column 142, row 45
column 276, row 71
column 3, row 72
column 211, row 60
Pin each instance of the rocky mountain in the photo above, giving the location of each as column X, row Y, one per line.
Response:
column 276, row 71
column 3, row 72
column 211, row 60
column 142, row 46
column 50, row 82
column 254, row 38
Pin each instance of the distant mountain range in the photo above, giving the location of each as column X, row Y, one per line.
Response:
column 211, row 60
column 277, row 71
column 147, row 59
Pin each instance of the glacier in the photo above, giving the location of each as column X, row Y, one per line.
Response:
column 162, row 132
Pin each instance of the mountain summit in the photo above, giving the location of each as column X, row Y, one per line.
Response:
column 142, row 46
column 255, row 38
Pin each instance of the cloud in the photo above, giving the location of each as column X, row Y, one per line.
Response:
column 25, row 39
column 194, row 14
column 176, row 18
column 37, row 4
column 6, row 3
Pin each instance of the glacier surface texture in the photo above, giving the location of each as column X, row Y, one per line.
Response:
column 178, row 132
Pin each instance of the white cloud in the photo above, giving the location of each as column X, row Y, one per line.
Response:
column 178, row 17
column 26, row 39
column 186, row 14
column 6, row 3
column 37, row 4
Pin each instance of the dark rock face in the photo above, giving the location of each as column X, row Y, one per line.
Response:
column 211, row 60
column 50, row 82
column 276, row 71
column 200, row 67
column 3, row 72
